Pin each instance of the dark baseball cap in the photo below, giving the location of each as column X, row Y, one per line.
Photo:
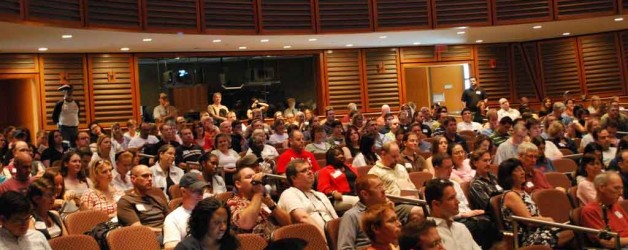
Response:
column 247, row 160
column 193, row 181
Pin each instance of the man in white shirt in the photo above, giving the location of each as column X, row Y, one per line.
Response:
column 15, row 216
column 164, row 111
column 467, row 123
column 508, row 149
column 506, row 110
column 144, row 138
column 600, row 135
column 176, row 223
column 121, row 174
column 302, row 203
column 393, row 175
column 441, row 197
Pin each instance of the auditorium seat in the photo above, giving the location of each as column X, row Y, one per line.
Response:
column 465, row 186
column 132, row 237
column 174, row 203
column 174, row 191
column 553, row 203
column 74, row 242
column 419, row 178
column 363, row 170
column 307, row 232
column 82, row 221
column 557, row 179
column 573, row 196
column 565, row 165
column 332, row 230
column 252, row 242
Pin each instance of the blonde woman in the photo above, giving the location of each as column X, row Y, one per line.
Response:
column 102, row 196
column 104, row 150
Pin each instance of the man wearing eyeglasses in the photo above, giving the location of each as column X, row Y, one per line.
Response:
column 527, row 153
column 145, row 205
column 304, row 204
column 420, row 235
column 15, row 218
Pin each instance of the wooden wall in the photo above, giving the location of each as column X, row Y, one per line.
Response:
column 298, row 16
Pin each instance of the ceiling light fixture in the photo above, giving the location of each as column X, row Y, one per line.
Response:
column 461, row 32
column 330, row 51
column 479, row 41
column 349, row 45
column 382, row 37
column 566, row 34
column 462, row 27
column 43, row 49
column 124, row 49
column 416, row 43
column 242, row 47
column 537, row 27
column 66, row 36
column 287, row 46
column 618, row 19
column 216, row 40
column 147, row 40
column 312, row 39
column 263, row 41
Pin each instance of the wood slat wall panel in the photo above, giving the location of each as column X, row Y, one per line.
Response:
column 623, row 38
column 418, row 54
column 382, row 83
column 496, row 81
column 559, row 63
column 566, row 9
column 235, row 15
column 402, row 14
column 10, row 8
column 344, row 15
column 601, row 64
column 344, row 78
column 52, row 67
column 55, row 10
column 287, row 15
column 457, row 52
column 531, row 53
column 112, row 99
column 18, row 63
column 524, row 81
column 113, row 13
column 170, row 14
column 517, row 11
column 449, row 13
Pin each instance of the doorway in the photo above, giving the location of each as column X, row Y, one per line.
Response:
column 442, row 84
column 21, row 99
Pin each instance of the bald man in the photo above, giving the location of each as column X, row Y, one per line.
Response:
column 144, row 205
column 21, row 175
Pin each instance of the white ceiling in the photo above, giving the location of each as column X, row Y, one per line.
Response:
column 28, row 38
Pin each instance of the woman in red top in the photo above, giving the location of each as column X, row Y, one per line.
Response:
column 337, row 180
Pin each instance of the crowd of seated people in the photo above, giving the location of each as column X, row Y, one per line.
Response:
column 217, row 169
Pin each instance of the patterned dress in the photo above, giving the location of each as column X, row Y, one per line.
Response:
column 529, row 235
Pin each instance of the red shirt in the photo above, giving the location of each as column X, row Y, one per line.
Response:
column 617, row 218
column 539, row 180
column 290, row 155
column 15, row 185
column 328, row 183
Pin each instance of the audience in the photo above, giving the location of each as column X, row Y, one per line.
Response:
column 121, row 174
column 337, row 179
column 381, row 225
column 227, row 157
column 508, row 149
column 208, row 164
column 102, row 196
column 209, row 227
column 393, row 175
column 535, row 179
column 420, row 235
column 21, row 179
column 410, row 157
column 590, row 167
column 165, row 173
column 192, row 188
column 15, row 217
column 462, row 171
column 75, row 179
column 296, row 151
column 302, row 203
column 44, row 218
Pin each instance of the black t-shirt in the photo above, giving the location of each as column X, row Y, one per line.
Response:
column 185, row 153
column 471, row 97
column 52, row 154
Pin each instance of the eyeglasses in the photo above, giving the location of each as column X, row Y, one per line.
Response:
column 435, row 243
column 305, row 170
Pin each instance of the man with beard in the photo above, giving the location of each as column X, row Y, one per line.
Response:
column 258, row 146
column 601, row 137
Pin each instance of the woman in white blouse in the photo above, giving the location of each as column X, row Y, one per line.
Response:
column 227, row 157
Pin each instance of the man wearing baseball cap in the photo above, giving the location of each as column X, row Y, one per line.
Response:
column 175, row 226
column 66, row 114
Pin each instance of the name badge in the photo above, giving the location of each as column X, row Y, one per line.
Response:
column 268, row 211
column 336, row 173
column 478, row 92
column 499, row 188
column 408, row 165
column 337, row 142
column 40, row 225
column 619, row 215
column 141, row 207
column 425, row 131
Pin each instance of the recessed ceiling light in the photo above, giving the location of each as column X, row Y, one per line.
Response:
column 462, row 27
column 216, row 40
column 177, row 58
column 618, row 19
column 124, row 49
column 330, row 51
column 461, row 32
column 537, row 27
column 147, row 40
column 242, row 47
column 566, row 34
column 66, row 36
column 416, row 43
column 312, row 39
column 287, row 46
column 263, row 41
column 43, row 49
column 479, row 41
column 382, row 37
column 349, row 45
